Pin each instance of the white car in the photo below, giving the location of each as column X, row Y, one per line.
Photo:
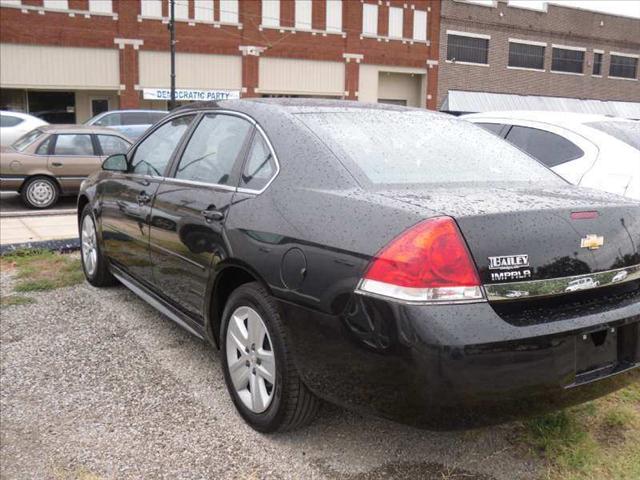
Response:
column 582, row 284
column 592, row 151
column 13, row 125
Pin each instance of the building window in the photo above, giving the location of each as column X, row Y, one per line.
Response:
column 56, row 4
column 334, row 15
column 623, row 66
column 100, row 6
column 271, row 13
column 526, row 55
column 567, row 60
column 597, row 63
column 203, row 10
column 370, row 19
column 420, row 25
column 395, row 22
column 151, row 8
column 181, row 9
column 470, row 49
column 229, row 11
column 303, row 14
column 15, row 3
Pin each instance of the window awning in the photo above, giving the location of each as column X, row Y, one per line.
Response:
column 458, row 101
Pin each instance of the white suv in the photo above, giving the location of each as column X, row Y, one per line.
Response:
column 593, row 151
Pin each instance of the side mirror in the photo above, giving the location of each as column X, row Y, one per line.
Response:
column 116, row 163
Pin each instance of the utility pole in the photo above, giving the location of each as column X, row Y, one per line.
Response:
column 172, row 31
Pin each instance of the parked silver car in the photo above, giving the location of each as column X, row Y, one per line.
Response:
column 131, row 123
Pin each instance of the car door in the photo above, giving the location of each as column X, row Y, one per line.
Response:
column 190, row 208
column 126, row 198
column 72, row 158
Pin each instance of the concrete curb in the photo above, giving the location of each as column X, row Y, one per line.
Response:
column 62, row 246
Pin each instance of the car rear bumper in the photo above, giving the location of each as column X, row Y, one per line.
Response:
column 460, row 366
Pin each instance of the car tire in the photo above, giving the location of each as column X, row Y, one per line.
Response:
column 40, row 192
column 285, row 404
column 94, row 265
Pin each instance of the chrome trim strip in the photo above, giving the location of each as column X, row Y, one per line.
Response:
column 497, row 292
column 181, row 181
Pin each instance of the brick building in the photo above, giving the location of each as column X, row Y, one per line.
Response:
column 492, row 54
column 74, row 58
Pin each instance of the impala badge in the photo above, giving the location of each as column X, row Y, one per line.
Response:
column 592, row 242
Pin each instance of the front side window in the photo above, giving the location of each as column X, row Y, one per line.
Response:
column 385, row 147
column 524, row 55
column 213, row 149
column 467, row 49
column 153, row 154
column 10, row 121
column 597, row 63
column 260, row 166
column 547, row 147
column 26, row 140
column 494, row 128
column 565, row 60
column 73, row 144
column 111, row 144
column 623, row 66
column 134, row 118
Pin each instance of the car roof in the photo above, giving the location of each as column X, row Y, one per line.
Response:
column 58, row 128
column 551, row 117
column 134, row 110
column 298, row 105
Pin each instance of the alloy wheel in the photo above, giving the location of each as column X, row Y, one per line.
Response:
column 89, row 246
column 250, row 359
column 41, row 193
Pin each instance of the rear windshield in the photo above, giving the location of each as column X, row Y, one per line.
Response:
column 392, row 147
column 27, row 139
column 627, row 132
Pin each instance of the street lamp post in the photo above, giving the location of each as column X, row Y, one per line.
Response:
column 172, row 31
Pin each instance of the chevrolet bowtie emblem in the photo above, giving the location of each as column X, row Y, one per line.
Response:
column 592, row 242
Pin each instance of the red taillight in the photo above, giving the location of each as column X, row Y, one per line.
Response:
column 428, row 262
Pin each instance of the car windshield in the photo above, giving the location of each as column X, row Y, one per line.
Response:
column 26, row 140
column 401, row 147
column 627, row 132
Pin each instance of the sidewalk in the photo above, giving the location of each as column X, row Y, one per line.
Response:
column 32, row 229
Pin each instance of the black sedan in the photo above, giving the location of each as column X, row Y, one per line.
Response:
column 383, row 258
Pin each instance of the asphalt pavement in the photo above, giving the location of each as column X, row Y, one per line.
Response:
column 97, row 384
column 11, row 205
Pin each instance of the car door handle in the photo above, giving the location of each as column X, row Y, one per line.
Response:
column 143, row 198
column 211, row 214
column 56, row 164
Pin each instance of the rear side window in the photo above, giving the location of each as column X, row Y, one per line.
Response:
column 24, row 141
column 213, row 149
column 73, row 144
column 415, row 147
column 43, row 149
column 547, row 147
column 627, row 132
column 153, row 154
column 494, row 128
column 111, row 144
column 154, row 117
column 260, row 166
column 10, row 121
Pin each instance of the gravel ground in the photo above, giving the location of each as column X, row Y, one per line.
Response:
column 95, row 384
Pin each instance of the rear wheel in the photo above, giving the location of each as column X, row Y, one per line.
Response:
column 40, row 192
column 94, row 264
column 259, row 372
